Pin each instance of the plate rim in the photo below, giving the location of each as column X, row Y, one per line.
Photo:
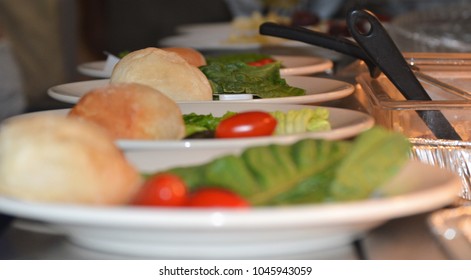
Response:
column 365, row 121
column 266, row 217
column 87, row 69
column 177, row 39
column 322, row 64
column 344, row 89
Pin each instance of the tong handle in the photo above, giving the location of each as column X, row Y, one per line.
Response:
column 377, row 44
column 312, row 37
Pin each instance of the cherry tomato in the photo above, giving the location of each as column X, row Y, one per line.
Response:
column 246, row 124
column 261, row 62
column 216, row 197
column 163, row 189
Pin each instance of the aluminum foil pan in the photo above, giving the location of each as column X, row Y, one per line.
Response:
column 449, row 154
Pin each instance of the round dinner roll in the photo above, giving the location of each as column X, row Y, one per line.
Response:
column 165, row 71
column 191, row 56
column 131, row 111
column 52, row 158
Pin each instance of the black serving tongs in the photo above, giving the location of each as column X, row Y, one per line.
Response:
column 374, row 46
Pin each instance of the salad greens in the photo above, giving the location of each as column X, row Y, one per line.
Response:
column 198, row 122
column 290, row 122
column 238, row 77
column 311, row 170
column 387, row 149
column 303, row 120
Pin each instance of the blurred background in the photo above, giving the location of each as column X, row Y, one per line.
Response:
column 43, row 41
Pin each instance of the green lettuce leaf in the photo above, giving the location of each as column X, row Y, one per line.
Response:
column 310, row 170
column 377, row 155
column 302, row 120
column 273, row 174
column 293, row 121
column 262, row 81
column 201, row 122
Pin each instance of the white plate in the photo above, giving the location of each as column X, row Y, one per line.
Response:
column 302, row 65
column 293, row 65
column 154, row 155
column 317, row 90
column 266, row 232
column 345, row 123
column 94, row 69
column 72, row 92
column 214, row 37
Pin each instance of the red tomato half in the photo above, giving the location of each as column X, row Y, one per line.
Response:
column 163, row 190
column 261, row 62
column 216, row 197
column 246, row 124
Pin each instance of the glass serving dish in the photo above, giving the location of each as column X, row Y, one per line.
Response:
column 385, row 103
column 438, row 28
column 452, row 229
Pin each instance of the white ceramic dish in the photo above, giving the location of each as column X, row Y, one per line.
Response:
column 266, row 232
column 215, row 37
column 317, row 90
column 154, row 155
column 293, row 65
column 95, row 69
column 344, row 124
column 72, row 92
column 302, row 65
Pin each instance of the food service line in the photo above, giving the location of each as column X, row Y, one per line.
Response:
column 403, row 238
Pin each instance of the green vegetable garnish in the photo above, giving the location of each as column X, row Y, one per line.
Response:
column 293, row 121
column 197, row 122
column 375, row 157
column 311, row 170
column 238, row 77
column 302, row 120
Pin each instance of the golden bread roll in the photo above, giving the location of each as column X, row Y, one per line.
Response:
column 51, row 158
column 131, row 111
column 191, row 56
column 165, row 71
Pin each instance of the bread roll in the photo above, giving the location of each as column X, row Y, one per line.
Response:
column 165, row 71
column 191, row 56
column 51, row 158
column 131, row 111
